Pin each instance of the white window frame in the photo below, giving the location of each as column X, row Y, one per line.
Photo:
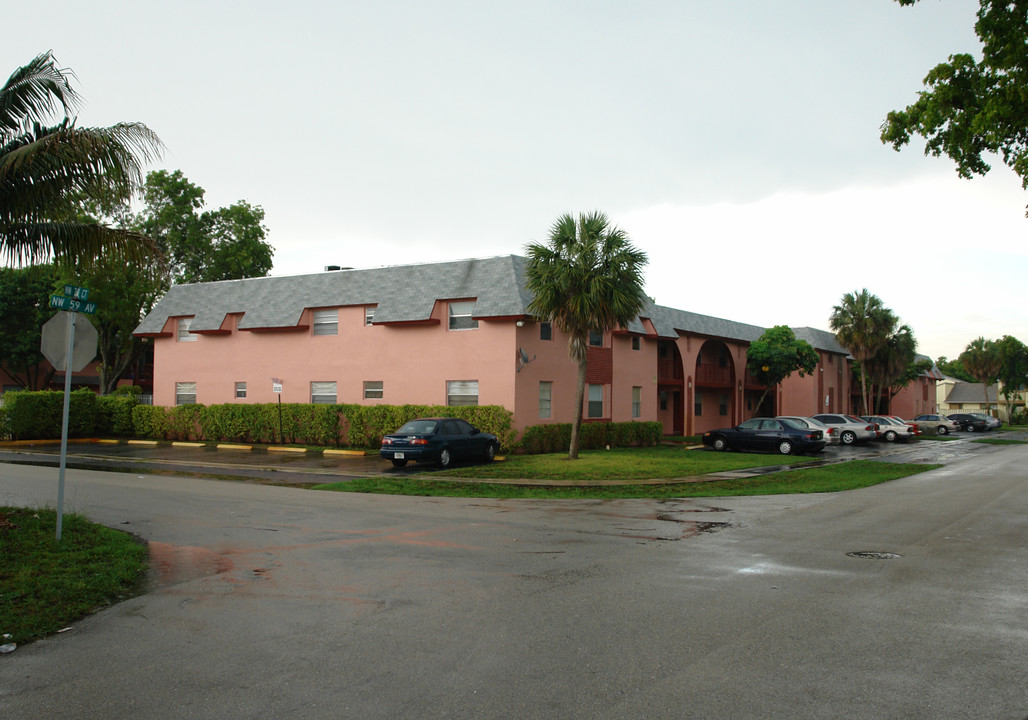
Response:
column 545, row 399
column 183, row 391
column 594, row 399
column 374, row 389
column 322, row 391
column 461, row 393
column 369, row 315
column 184, row 335
column 460, row 315
column 240, row 390
column 637, row 399
column 326, row 322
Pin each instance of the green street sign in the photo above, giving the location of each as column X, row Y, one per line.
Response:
column 76, row 293
column 60, row 302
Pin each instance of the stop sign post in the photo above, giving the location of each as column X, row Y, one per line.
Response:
column 69, row 353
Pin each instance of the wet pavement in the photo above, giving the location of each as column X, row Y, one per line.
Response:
column 302, row 468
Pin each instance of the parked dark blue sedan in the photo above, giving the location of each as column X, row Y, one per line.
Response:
column 441, row 440
column 768, row 434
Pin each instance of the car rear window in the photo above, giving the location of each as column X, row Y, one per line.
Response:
column 417, row 427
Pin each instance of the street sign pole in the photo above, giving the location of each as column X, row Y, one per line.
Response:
column 64, row 426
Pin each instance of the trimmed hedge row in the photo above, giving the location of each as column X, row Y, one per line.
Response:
column 29, row 415
column 557, row 437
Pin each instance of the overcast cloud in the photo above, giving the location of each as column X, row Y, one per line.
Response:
column 736, row 142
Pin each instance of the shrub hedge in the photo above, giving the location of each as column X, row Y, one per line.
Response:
column 556, row 437
column 37, row 415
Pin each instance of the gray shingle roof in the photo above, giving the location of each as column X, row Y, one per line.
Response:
column 965, row 392
column 403, row 293
column 407, row 293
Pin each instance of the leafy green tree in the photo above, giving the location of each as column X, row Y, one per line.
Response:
column 1013, row 368
column 588, row 277
column 890, row 364
column 862, row 324
column 969, row 107
column 981, row 358
column 24, row 308
column 47, row 169
column 203, row 246
column 776, row 355
column 954, row 368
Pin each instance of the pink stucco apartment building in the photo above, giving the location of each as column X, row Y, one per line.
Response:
column 458, row 333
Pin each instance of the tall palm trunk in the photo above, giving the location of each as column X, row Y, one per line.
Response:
column 576, row 427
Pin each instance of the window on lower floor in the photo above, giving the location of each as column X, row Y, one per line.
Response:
column 637, row 401
column 373, row 389
column 240, row 390
column 595, row 401
column 662, row 396
column 722, row 406
column 545, row 399
column 323, row 393
column 698, row 404
column 460, row 316
column 461, row 392
column 326, row 322
column 185, row 393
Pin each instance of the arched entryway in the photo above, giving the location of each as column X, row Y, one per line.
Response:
column 670, row 388
column 713, row 396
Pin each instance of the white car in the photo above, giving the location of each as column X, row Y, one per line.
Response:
column 890, row 429
column 831, row 435
column 851, row 429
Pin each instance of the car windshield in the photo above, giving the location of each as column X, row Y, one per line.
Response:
column 417, row 427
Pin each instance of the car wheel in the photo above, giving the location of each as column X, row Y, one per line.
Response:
column 941, row 430
column 490, row 452
column 848, row 437
column 785, row 447
column 720, row 444
column 445, row 459
column 890, row 436
column 970, row 428
column 399, row 463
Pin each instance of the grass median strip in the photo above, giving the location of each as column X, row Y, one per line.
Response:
column 45, row 584
column 829, row 478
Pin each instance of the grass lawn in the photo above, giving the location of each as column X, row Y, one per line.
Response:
column 620, row 464
column 45, row 585
column 1001, row 441
column 830, row 478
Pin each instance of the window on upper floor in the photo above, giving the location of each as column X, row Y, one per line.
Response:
column 374, row 389
column 185, row 393
column 183, row 330
column 596, row 338
column 326, row 322
column 545, row 331
column 369, row 315
column 461, row 392
column 323, row 393
column 636, row 343
column 460, row 316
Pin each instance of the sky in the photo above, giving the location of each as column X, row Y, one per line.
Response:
column 736, row 142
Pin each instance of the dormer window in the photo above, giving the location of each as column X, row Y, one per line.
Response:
column 183, row 330
column 326, row 322
column 460, row 316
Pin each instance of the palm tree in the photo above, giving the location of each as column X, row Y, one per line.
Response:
column 982, row 359
column 888, row 366
column 46, row 171
column 587, row 278
column 862, row 324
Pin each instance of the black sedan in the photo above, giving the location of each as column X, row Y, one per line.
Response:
column 774, row 435
column 441, row 440
column 970, row 422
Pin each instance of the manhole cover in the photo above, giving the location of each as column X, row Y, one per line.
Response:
column 874, row 555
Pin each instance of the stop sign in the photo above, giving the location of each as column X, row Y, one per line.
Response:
column 54, row 343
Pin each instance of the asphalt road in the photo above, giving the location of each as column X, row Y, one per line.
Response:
column 279, row 602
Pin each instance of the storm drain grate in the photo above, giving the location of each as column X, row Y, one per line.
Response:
column 874, row 555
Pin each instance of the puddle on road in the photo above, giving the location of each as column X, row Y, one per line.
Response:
column 176, row 564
